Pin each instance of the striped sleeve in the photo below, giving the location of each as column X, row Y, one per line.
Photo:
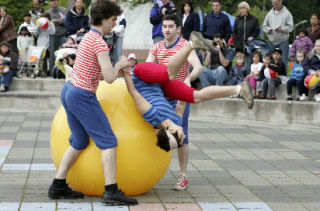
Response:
column 99, row 46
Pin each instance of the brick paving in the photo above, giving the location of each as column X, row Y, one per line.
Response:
column 233, row 165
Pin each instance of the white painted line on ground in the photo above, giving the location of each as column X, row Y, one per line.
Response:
column 16, row 167
column 256, row 206
column 26, row 167
column 98, row 206
column 217, row 206
column 74, row 206
column 35, row 206
column 43, row 167
column 9, row 206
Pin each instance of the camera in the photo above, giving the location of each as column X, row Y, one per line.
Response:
column 215, row 43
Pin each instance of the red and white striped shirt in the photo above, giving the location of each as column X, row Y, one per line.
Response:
column 163, row 55
column 86, row 70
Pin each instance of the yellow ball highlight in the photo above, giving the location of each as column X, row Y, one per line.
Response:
column 140, row 163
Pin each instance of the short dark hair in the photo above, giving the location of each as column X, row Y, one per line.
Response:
column 103, row 9
column 305, row 31
column 5, row 43
column 217, row 35
column 268, row 55
column 172, row 17
column 184, row 4
column 218, row 1
column 163, row 139
column 46, row 15
column 27, row 15
column 257, row 53
column 24, row 28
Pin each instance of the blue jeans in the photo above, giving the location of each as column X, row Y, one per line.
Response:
column 284, row 46
column 117, row 51
column 6, row 78
column 157, row 38
column 234, row 81
column 86, row 118
column 217, row 76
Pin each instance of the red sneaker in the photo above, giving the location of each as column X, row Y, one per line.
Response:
column 182, row 183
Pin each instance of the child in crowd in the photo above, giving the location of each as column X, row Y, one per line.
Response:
column 297, row 77
column 32, row 28
column 238, row 71
column 266, row 62
column 255, row 71
column 4, row 68
column 71, row 42
column 132, row 61
column 24, row 41
column 302, row 42
column 278, row 66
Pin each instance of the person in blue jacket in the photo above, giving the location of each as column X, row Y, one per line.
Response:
column 76, row 20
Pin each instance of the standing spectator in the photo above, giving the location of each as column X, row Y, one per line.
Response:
column 271, row 83
column 314, row 29
column 219, row 62
column 190, row 19
column 57, row 15
column 36, row 11
column 246, row 27
column 132, row 59
column 302, row 42
column 118, row 30
column 32, row 28
column 216, row 22
column 160, row 9
column 278, row 24
column 76, row 20
column 297, row 76
column 11, row 59
column 7, row 32
column 24, row 41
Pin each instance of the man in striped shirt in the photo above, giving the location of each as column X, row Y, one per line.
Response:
column 161, row 52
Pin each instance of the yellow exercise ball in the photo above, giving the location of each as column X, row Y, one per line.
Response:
column 140, row 163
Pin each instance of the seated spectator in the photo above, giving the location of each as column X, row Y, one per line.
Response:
column 32, row 28
column 10, row 59
column 255, row 71
column 278, row 66
column 219, row 62
column 313, row 66
column 71, row 42
column 302, row 42
column 132, row 61
column 24, row 41
column 76, row 20
column 267, row 59
column 297, row 77
column 4, row 67
column 238, row 71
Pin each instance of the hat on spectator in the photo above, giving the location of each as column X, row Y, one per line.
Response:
column 277, row 50
column 132, row 56
column 27, row 15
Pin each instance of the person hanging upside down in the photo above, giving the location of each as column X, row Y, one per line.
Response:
column 150, row 83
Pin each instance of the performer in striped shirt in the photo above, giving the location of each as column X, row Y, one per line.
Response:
column 161, row 53
column 85, row 115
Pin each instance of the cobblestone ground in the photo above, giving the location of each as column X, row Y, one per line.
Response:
column 234, row 165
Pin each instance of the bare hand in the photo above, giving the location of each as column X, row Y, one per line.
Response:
column 270, row 31
column 278, row 30
column 250, row 38
column 54, row 20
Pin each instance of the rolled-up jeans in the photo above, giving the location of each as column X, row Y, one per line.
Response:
column 217, row 76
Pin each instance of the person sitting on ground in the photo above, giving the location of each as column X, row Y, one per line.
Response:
column 302, row 42
column 4, row 68
column 150, row 83
column 255, row 71
column 219, row 62
column 297, row 76
column 238, row 71
column 11, row 59
column 278, row 66
column 313, row 65
column 266, row 62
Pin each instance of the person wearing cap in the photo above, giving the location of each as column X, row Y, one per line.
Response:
column 270, row 85
column 32, row 28
column 132, row 61
column 278, row 24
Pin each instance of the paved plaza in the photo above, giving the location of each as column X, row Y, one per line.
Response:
column 234, row 165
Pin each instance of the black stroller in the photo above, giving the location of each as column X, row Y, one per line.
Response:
column 258, row 45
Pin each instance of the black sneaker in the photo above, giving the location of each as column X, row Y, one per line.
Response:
column 118, row 198
column 64, row 192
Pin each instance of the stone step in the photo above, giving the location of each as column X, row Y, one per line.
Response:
column 36, row 84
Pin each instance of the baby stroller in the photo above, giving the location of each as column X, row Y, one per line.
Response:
column 258, row 45
column 32, row 65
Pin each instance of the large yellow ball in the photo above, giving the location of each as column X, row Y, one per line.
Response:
column 140, row 163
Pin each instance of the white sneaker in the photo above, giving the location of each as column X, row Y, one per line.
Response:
column 317, row 98
column 2, row 88
column 303, row 97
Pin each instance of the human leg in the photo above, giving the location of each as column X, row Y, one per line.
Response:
column 264, row 88
column 290, row 83
column 272, row 84
column 222, row 76
column 6, row 79
column 208, row 77
column 300, row 86
column 284, row 46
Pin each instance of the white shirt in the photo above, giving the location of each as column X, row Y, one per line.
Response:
column 184, row 18
column 32, row 28
column 24, row 42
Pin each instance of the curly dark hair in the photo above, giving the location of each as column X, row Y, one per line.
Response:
column 103, row 9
